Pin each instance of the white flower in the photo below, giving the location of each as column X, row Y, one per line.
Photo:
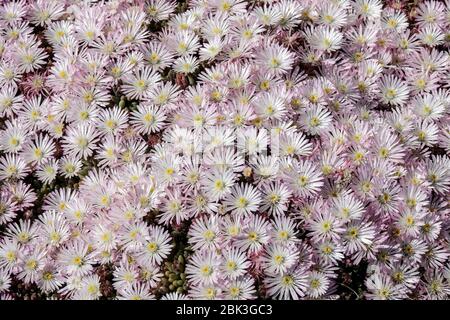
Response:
column 318, row 284
column 275, row 198
column 203, row 267
column 240, row 289
column 156, row 247
column 39, row 150
column 288, row 285
column 138, row 85
column 324, row 38
column 381, row 287
column 368, row 9
column 279, row 258
column 304, row 178
column 275, row 58
column 47, row 171
column 393, row 90
column 243, row 199
column 80, row 141
column 234, row 263
column 204, row 234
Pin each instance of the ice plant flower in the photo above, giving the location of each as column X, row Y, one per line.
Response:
column 224, row 149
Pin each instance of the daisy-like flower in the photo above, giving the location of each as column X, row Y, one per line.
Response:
column 133, row 236
column 112, row 121
column 8, row 209
column 31, row 113
column 240, row 289
column 218, row 183
column 294, row 144
column 9, row 101
column 304, row 178
column 333, row 15
column 255, row 235
column 286, row 286
column 23, row 231
column 39, row 150
column 104, row 238
column 173, row 209
column 157, row 247
column 381, row 287
column 279, row 258
column 138, row 85
column 268, row 15
column 89, row 288
column 76, row 259
column 165, row 94
column 347, row 207
column 324, row 226
column 204, row 234
column 69, row 166
column 60, row 199
column 125, row 276
column 159, row 10
column 150, row 274
column 184, row 43
column 315, row 119
column 13, row 137
column 13, row 167
column 394, row 20
column 186, row 64
column 13, row 12
column 275, row 59
column 284, row 229
column 44, row 12
column 269, row 106
column 80, row 141
column 252, row 141
column 405, row 275
column 203, row 268
column 426, row 132
column 436, row 286
column 206, row 292
column 174, row 296
column 368, row 9
column 409, row 222
column 431, row 36
column 10, row 254
column 388, row 147
column 234, row 263
column 47, row 171
column 438, row 173
column 210, row 49
column 318, row 284
column 30, row 58
column 324, row 38
column 428, row 107
column 10, row 74
column 136, row 292
column 243, row 199
column 358, row 237
column 32, row 264
column 5, row 280
column 393, row 91
column 275, row 198
column 23, row 195
column 49, row 278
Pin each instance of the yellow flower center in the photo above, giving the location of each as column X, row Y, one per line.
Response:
column 152, row 247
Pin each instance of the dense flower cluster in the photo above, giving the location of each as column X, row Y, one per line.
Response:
column 224, row 149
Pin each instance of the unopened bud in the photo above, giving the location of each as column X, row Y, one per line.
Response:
column 247, row 172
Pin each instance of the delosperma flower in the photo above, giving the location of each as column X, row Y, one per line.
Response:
column 235, row 149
